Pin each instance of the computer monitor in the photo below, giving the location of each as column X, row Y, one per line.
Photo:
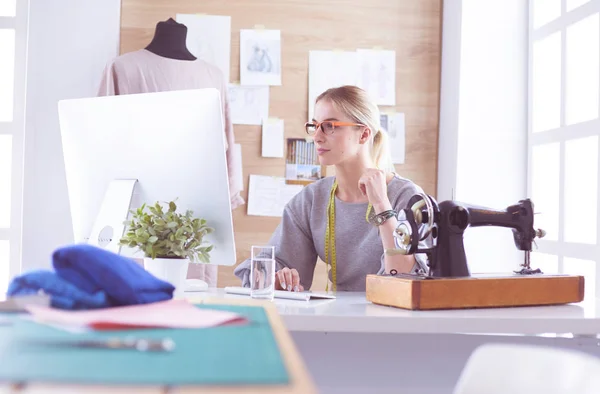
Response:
column 172, row 143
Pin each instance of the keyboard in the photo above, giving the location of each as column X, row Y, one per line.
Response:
column 288, row 295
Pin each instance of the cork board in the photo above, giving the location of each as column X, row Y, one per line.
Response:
column 410, row 27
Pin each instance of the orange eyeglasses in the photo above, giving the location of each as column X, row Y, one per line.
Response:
column 327, row 126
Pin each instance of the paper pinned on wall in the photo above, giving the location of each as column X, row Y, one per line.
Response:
column 396, row 128
column 248, row 104
column 377, row 74
column 272, row 138
column 237, row 154
column 209, row 39
column 329, row 69
column 260, row 57
column 268, row 195
column 384, row 121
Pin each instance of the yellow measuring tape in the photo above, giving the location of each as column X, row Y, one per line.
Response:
column 330, row 236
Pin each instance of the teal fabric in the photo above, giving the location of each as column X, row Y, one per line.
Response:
column 238, row 355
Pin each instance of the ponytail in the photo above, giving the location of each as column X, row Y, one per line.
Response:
column 380, row 152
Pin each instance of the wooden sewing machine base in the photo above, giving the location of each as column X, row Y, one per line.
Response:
column 477, row 291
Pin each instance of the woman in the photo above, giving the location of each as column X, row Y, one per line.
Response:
column 328, row 219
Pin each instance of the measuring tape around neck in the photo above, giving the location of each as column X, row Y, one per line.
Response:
column 330, row 236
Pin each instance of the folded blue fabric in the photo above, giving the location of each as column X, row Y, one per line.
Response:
column 93, row 269
column 62, row 294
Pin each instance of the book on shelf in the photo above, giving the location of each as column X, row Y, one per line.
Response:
column 302, row 163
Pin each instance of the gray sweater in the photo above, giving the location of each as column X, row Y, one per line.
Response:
column 300, row 237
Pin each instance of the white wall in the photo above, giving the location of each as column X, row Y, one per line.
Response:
column 483, row 122
column 70, row 42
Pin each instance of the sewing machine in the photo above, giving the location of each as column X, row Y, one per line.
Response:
column 443, row 280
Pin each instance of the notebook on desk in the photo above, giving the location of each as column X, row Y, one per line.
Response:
column 288, row 295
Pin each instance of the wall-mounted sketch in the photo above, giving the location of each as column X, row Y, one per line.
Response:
column 260, row 57
column 248, row 104
column 202, row 49
column 378, row 74
column 397, row 134
column 329, row 69
column 384, row 123
column 209, row 39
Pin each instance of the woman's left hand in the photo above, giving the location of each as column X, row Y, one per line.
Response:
column 373, row 184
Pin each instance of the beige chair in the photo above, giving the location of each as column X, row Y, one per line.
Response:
column 527, row 369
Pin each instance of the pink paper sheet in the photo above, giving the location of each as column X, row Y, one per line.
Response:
column 164, row 314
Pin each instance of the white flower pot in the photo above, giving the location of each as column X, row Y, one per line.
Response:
column 173, row 271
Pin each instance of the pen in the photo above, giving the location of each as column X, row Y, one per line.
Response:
column 129, row 343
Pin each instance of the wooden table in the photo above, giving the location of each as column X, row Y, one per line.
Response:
column 301, row 382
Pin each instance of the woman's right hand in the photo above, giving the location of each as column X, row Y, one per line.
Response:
column 288, row 279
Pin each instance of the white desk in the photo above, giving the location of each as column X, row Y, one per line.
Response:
column 353, row 346
column 352, row 313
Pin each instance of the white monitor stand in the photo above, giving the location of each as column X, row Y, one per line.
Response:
column 109, row 225
column 126, row 150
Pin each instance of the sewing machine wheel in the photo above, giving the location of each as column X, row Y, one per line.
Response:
column 425, row 210
column 406, row 234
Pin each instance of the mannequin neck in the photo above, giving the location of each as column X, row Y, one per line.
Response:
column 169, row 41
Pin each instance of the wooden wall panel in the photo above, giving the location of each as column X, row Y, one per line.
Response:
column 410, row 27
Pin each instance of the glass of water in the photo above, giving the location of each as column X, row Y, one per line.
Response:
column 262, row 272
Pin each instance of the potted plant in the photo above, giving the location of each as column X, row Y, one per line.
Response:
column 169, row 240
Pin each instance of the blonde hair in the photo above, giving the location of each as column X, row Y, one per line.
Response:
column 355, row 103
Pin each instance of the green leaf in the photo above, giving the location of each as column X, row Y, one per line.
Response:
column 167, row 234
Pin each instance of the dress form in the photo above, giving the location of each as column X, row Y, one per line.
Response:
column 170, row 41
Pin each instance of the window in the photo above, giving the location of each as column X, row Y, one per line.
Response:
column 13, row 34
column 544, row 187
column 7, row 74
column 581, row 82
column 545, row 11
column 581, row 190
column 546, row 83
column 572, row 4
column 8, row 7
column 5, row 179
column 548, row 263
column 564, row 136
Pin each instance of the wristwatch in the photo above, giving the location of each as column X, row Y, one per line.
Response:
column 382, row 217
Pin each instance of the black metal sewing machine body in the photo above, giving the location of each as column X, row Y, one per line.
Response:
column 446, row 253
column 448, row 259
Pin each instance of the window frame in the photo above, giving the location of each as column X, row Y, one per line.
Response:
column 562, row 134
column 16, row 129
